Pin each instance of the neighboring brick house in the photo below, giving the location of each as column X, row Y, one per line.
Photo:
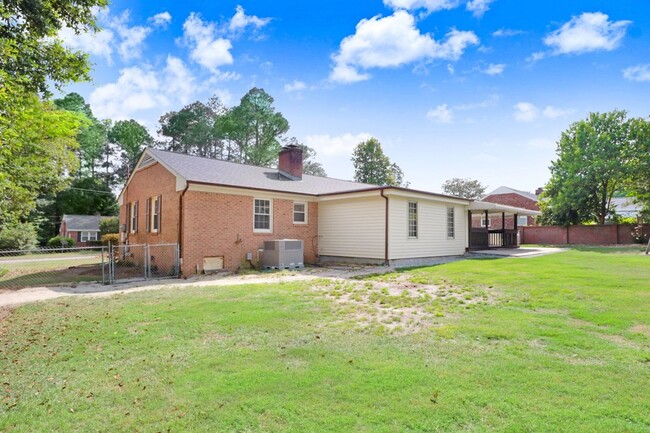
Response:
column 81, row 228
column 509, row 197
column 223, row 211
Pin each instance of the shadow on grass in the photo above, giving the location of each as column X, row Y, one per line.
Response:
column 406, row 269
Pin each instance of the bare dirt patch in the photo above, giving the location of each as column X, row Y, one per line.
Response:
column 398, row 305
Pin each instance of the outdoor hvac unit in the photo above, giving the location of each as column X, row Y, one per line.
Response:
column 283, row 254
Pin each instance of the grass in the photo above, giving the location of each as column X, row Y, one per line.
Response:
column 49, row 269
column 559, row 343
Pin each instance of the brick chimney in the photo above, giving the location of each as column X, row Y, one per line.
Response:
column 290, row 162
column 538, row 191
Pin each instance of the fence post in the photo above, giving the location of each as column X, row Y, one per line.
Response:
column 103, row 271
column 145, row 249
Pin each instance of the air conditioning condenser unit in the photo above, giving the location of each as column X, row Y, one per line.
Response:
column 283, row 254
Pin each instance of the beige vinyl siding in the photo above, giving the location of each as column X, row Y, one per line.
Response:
column 432, row 238
column 352, row 227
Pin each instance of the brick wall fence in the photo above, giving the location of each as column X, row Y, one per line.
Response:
column 609, row 234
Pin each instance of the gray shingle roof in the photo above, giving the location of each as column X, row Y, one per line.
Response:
column 508, row 190
column 225, row 173
column 86, row 223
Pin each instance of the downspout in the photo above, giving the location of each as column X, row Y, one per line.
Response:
column 180, row 225
column 386, row 261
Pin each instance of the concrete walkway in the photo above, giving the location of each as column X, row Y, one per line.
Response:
column 519, row 252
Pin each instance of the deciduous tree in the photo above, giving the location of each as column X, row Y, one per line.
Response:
column 371, row 165
column 467, row 188
column 594, row 161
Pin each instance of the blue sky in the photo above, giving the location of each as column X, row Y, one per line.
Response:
column 451, row 88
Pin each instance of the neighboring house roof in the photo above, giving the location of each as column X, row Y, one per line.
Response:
column 625, row 206
column 85, row 223
column 508, row 190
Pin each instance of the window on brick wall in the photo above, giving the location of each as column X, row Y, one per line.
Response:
column 134, row 217
column 485, row 222
column 451, row 222
column 155, row 214
column 413, row 219
column 522, row 220
column 88, row 236
column 262, row 215
column 299, row 212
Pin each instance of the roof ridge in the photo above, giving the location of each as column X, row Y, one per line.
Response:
column 251, row 165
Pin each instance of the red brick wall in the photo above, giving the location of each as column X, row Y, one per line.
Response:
column 146, row 183
column 222, row 225
column 580, row 235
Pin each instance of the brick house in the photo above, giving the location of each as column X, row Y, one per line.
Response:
column 509, row 197
column 82, row 228
column 224, row 211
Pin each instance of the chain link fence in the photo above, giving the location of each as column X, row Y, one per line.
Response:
column 52, row 266
column 102, row 264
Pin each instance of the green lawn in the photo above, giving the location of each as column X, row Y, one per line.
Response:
column 44, row 269
column 559, row 343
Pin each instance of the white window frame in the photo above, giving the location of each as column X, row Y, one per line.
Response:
column 270, row 214
column 304, row 211
column 408, row 219
column 88, row 236
column 519, row 217
column 134, row 216
column 451, row 223
column 489, row 222
column 153, row 214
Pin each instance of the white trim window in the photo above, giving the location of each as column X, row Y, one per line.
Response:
column 522, row 220
column 262, row 215
column 155, row 210
column 299, row 212
column 134, row 217
column 88, row 236
column 451, row 222
column 413, row 219
column 489, row 222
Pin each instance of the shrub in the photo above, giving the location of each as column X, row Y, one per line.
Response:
column 111, row 239
column 20, row 236
column 638, row 236
column 109, row 225
column 61, row 242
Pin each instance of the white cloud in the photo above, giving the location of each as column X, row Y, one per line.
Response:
column 502, row 33
column 340, row 145
column 179, row 80
column 590, row 31
column 526, row 112
column 429, row 5
column 440, row 114
column 494, row 69
column 554, row 112
column 206, row 48
column 240, row 21
column 132, row 38
column 96, row 44
column 116, row 35
column 136, row 89
column 295, row 86
column 637, row 73
column 478, row 7
column 142, row 88
column 392, row 41
column 161, row 20
column 491, row 101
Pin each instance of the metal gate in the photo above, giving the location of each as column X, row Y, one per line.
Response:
column 137, row 262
